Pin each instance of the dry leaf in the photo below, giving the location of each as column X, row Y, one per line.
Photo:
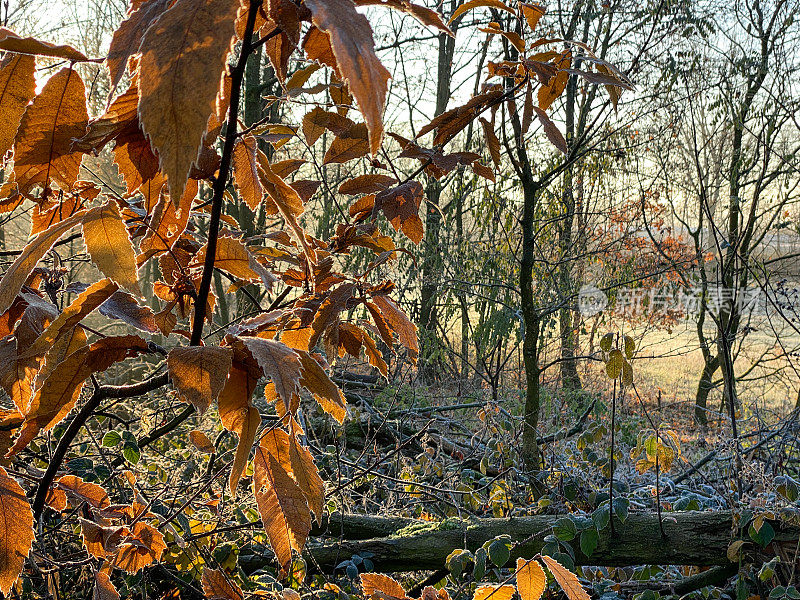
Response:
column 245, row 171
column 239, row 416
column 377, row 582
column 199, row 373
column 16, row 530
column 351, row 40
column 18, row 85
column 566, row 579
column 181, row 56
column 494, row 592
column 103, row 588
column 217, row 586
column 201, row 442
column 43, row 145
column 12, row 42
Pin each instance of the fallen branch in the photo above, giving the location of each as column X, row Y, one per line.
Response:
column 690, row 538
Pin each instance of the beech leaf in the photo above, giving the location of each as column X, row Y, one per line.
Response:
column 16, row 530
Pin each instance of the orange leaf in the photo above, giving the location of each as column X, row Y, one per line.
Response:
column 472, row 4
column 232, row 257
column 201, row 442
column 128, row 36
column 217, row 586
column 142, row 547
column 278, row 362
column 43, row 145
column 377, row 582
column 245, row 171
column 239, row 416
column 12, row 42
column 400, row 323
column 16, row 530
column 103, row 588
column 182, row 55
column 326, row 392
column 282, row 505
column 350, row 37
column 566, row 579
column 18, row 85
column 83, row 491
column 199, row 373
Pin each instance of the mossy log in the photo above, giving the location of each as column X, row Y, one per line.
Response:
column 689, row 538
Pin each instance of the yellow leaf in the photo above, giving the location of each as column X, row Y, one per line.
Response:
column 351, row 40
column 531, row 579
column 18, row 85
column 110, row 247
column 182, row 55
column 376, row 582
column 615, row 364
column 199, row 373
column 566, row 579
column 494, row 592
column 16, row 530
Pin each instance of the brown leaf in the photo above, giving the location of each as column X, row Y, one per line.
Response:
column 137, row 163
column 400, row 323
column 491, row 141
column 245, row 171
column 352, row 339
column 199, row 373
column 472, row 4
column 424, row 15
column 12, row 42
column 128, row 36
column 16, row 530
column 450, row 123
column 142, row 547
column 532, row 14
column 239, row 416
column 18, row 85
column 566, row 579
column 181, row 56
column 330, row 309
column 282, row 505
column 367, row 184
column 80, row 491
column 401, row 207
column 314, row 124
column 377, row 582
column 100, row 541
column 110, row 247
column 201, row 442
column 548, row 93
column 278, row 362
column 348, row 146
column 551, row 131
column 216, row 586
column 350, row 37
column 43, row 145
column 166, row 223
column 16, row 275
column 124, row 307
column 103, row 588
column 57, row 395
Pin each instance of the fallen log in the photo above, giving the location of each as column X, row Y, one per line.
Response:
column 689, row 538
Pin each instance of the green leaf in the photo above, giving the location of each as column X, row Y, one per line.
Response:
column 589, row 540
column 763, row 536
column 621, row 508
column 605, row 343
column 601, row 517
column 111, row 439
column 479, row 570
column 499, row 550
column 565, row 529
column 131, row 454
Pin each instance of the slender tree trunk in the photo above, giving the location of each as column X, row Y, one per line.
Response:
column 432, row 258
